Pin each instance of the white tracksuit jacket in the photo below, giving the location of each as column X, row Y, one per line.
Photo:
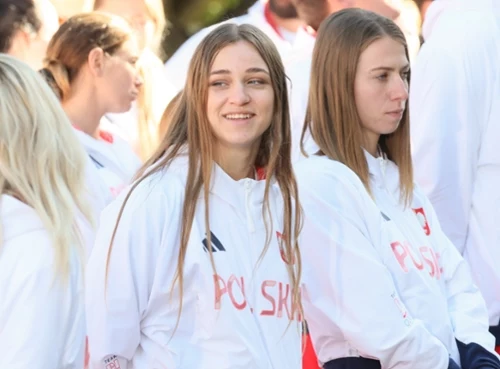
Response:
column 382, row 282
column 42, row 320
column 455, row 130
column 113, row 157
column 177, row 66
column 237, row 318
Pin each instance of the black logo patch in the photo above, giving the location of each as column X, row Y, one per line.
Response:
column 215, row 246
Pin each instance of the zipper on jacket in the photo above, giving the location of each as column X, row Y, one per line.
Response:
column 248, row 190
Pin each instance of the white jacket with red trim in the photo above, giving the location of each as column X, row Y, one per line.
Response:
column 237, row 317
column 42, row 319
column 381, row 281
column 114, row 159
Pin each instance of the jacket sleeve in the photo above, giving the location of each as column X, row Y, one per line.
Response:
column 117, row 299
column 466, row 306
column 35, row 303
column 349, row 293
column 445, row 130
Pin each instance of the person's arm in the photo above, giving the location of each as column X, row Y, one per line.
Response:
column 466, row 306
column 117, row 297
column 445, row 115
column 35, row 302
column 349, row 292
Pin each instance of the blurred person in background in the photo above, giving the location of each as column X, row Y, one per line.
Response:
column 68, row 8
column 45, row 224
column 423, row 5
column 91, row 63
column 139, row 126
column 455, row 126
column 26, row 27
column 276, row 18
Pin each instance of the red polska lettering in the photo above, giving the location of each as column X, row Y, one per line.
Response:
column 275, row 298
column 269, row 297
column 279, row 299
column 423, row 259
column 234, row 288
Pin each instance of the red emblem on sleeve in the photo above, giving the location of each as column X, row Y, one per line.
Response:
column 113, row 365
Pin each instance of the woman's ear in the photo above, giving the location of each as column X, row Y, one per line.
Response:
column 96, row 60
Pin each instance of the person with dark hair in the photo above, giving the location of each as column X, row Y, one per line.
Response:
column 383, row 286
column 26, row 27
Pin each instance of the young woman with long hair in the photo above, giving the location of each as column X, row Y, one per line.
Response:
column 197, row 265
column 91, row 63
column 45, row 223
column 384, row 287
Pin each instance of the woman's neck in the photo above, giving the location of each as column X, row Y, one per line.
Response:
column 238, row 164
column 83, row 115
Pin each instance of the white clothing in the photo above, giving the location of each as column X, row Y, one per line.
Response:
column 382, row 282
column 98, row 193
column 177, row 65
column 455, row 126
column 42, row 320
column 233, row 318
column 113, row 157
column 298, row 69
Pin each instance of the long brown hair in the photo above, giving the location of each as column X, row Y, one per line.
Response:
column 70, row 46
column 332, row 116
column 189, row 127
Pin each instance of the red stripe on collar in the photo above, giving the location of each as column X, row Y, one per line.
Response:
column 261, row 173
column 271, row 21
column 103, row 135
column 106, row 136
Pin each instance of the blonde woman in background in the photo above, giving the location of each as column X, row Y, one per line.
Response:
column 139, row 126
column 91, row 63
column 44, row 225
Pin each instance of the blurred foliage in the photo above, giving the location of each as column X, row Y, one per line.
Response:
column 186, row 17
